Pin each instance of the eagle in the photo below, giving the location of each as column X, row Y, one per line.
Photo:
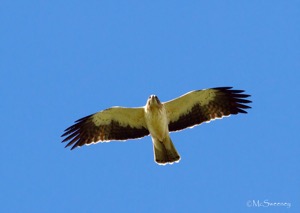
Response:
column 157, row 119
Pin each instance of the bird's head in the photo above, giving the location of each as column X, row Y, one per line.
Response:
column 153, row 101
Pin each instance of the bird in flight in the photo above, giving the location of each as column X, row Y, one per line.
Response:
column 157, row 119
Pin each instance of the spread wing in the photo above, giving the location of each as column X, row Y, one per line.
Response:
column 116, row 123
column 200, row 106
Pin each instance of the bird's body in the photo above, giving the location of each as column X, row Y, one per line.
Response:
column 157, row 124
column 157, row 119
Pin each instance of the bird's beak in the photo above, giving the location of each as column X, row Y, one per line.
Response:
column 157, row 100
column 153, row 100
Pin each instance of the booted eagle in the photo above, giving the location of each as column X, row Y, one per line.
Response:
column 157, row 119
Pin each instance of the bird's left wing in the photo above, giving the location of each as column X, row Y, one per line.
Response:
column 116, row 123
column 200, row 106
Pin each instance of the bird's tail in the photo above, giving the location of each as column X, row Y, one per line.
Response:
column 165, row 151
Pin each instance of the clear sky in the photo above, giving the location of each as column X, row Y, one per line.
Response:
column 62, row 60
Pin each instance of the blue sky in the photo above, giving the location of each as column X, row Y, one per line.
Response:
column 62, row 60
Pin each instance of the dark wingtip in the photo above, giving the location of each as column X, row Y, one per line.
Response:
column 222, row 88
column 74, row 146
column 242, row 111
column 70, row 143
column 72, row 133
column 238, row 97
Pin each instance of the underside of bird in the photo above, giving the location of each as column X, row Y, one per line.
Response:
column 157, row 119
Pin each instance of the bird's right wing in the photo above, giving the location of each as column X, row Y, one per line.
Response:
column 116, row 123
